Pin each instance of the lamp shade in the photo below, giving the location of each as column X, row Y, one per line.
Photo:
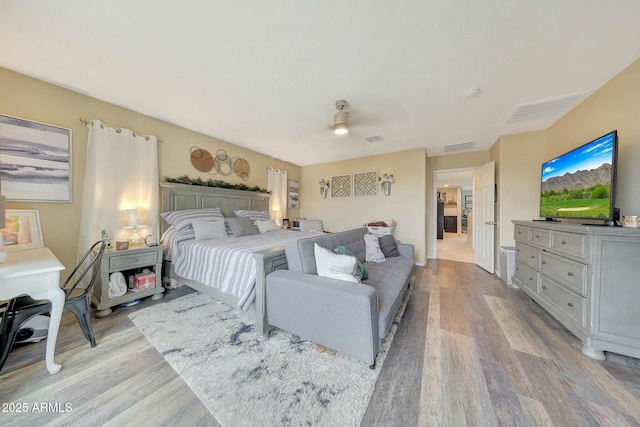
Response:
column 341, row 123
column 132, row 218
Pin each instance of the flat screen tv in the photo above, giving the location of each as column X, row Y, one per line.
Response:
column 580, row 184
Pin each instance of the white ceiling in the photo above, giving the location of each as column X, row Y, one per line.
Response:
column 266, row 74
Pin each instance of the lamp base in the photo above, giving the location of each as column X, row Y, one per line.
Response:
column 136, row 238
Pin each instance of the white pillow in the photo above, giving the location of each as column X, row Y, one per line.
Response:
column 334, row 266
column 266, row 225
column 183, row 219
column 209, row 229
column 373, row 252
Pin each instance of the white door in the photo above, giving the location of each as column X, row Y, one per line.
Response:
column 484, row 215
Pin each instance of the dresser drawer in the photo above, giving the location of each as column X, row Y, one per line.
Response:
column 127, row 260
column 521, row 233
column 567, row 302
column 570, row 244
column 528, row 254
column 527, row 276
column 570, row 273
column 540, row 237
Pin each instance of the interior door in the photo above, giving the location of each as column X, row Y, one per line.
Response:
column 484, row 215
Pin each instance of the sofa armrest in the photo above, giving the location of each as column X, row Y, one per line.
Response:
column 338, row 314
column 406, row 250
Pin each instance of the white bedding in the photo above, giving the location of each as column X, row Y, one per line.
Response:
column 225, row 264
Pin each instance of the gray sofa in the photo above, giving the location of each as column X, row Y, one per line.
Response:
column 351, row 318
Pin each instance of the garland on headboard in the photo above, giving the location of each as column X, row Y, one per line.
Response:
column 184, row 179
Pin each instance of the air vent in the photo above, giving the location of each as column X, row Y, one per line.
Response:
column 459, row 147
column 375, row 138
column 552, row 107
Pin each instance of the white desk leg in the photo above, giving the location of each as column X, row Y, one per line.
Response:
column 56, row 296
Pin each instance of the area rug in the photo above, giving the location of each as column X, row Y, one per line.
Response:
column 282, row 381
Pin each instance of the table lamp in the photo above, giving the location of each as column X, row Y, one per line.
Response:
column 134, row 218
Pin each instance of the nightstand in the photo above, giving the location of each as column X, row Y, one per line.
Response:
column 127, row 262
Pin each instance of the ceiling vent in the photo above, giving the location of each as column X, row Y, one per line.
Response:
column 552, row 107
column 375, row 138
column 459, row 147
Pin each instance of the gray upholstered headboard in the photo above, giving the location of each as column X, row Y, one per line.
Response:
column 178, row 197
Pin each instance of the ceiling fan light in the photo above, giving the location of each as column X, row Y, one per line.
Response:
column 341, row 123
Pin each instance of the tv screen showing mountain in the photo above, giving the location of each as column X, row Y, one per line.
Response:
column 578, row 184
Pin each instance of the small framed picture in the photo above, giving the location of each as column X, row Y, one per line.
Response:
column 285, row 223
column 21, row 230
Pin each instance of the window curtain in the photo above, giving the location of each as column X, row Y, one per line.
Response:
column 277, row 184
column 121, row 173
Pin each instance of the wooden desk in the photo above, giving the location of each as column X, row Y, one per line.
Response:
column 36, row 272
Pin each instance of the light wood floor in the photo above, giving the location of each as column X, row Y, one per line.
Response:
column 455, row 247
column 469, row 351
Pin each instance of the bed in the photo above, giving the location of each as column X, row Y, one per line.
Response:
column 249, row 257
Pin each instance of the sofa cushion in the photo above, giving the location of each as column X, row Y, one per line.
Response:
column 300, row 255
column 388, row 246
column 390, row 279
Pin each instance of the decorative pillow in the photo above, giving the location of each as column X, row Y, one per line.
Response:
column 182, row 219
column 335, row 266
column 209, row 229
column 388, row 246
column 242, row 226
column 364, row 275
column 373, row 252
column 252, row 215
column 266, row 225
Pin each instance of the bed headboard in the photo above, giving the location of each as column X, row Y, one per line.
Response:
column 179, row 197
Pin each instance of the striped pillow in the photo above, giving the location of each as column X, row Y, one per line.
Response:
column 182, row 219
column 252, row 215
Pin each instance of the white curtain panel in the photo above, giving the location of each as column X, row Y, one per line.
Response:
column 121, row 173
column 277, row 183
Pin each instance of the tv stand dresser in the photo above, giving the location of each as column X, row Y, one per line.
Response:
column 587, row 277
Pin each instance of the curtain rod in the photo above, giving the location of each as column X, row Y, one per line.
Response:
column 118, row 130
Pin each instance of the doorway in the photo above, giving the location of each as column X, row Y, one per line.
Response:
column 454, row 201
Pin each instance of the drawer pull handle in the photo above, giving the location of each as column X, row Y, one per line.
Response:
column 530, row 278
column 544, row 286
column 570, row 274
column 570, row 304
column 563, row 242
column 533, row 256
column 537, row 236
column 544, row 262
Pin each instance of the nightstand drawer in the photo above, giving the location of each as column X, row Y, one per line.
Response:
column 127, row 260
column 570, row 273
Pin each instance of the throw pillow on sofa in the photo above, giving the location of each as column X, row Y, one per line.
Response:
column 335, row 266
column 373, row 252
column 389, row 246
column 344, row 251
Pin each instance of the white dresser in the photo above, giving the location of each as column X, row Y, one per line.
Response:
column 587, row 277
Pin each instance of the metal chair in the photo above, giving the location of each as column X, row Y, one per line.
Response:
column 77, row 299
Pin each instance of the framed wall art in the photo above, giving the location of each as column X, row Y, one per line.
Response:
column 35, row 161
column 365, row 184
column 341, row 186
column 294, row 193
column 22, row 230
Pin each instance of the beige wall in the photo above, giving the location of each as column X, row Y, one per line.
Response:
column 33, row 99
column 518, row 158
column 614, row 106
column 405, row 204
column 442, row 163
